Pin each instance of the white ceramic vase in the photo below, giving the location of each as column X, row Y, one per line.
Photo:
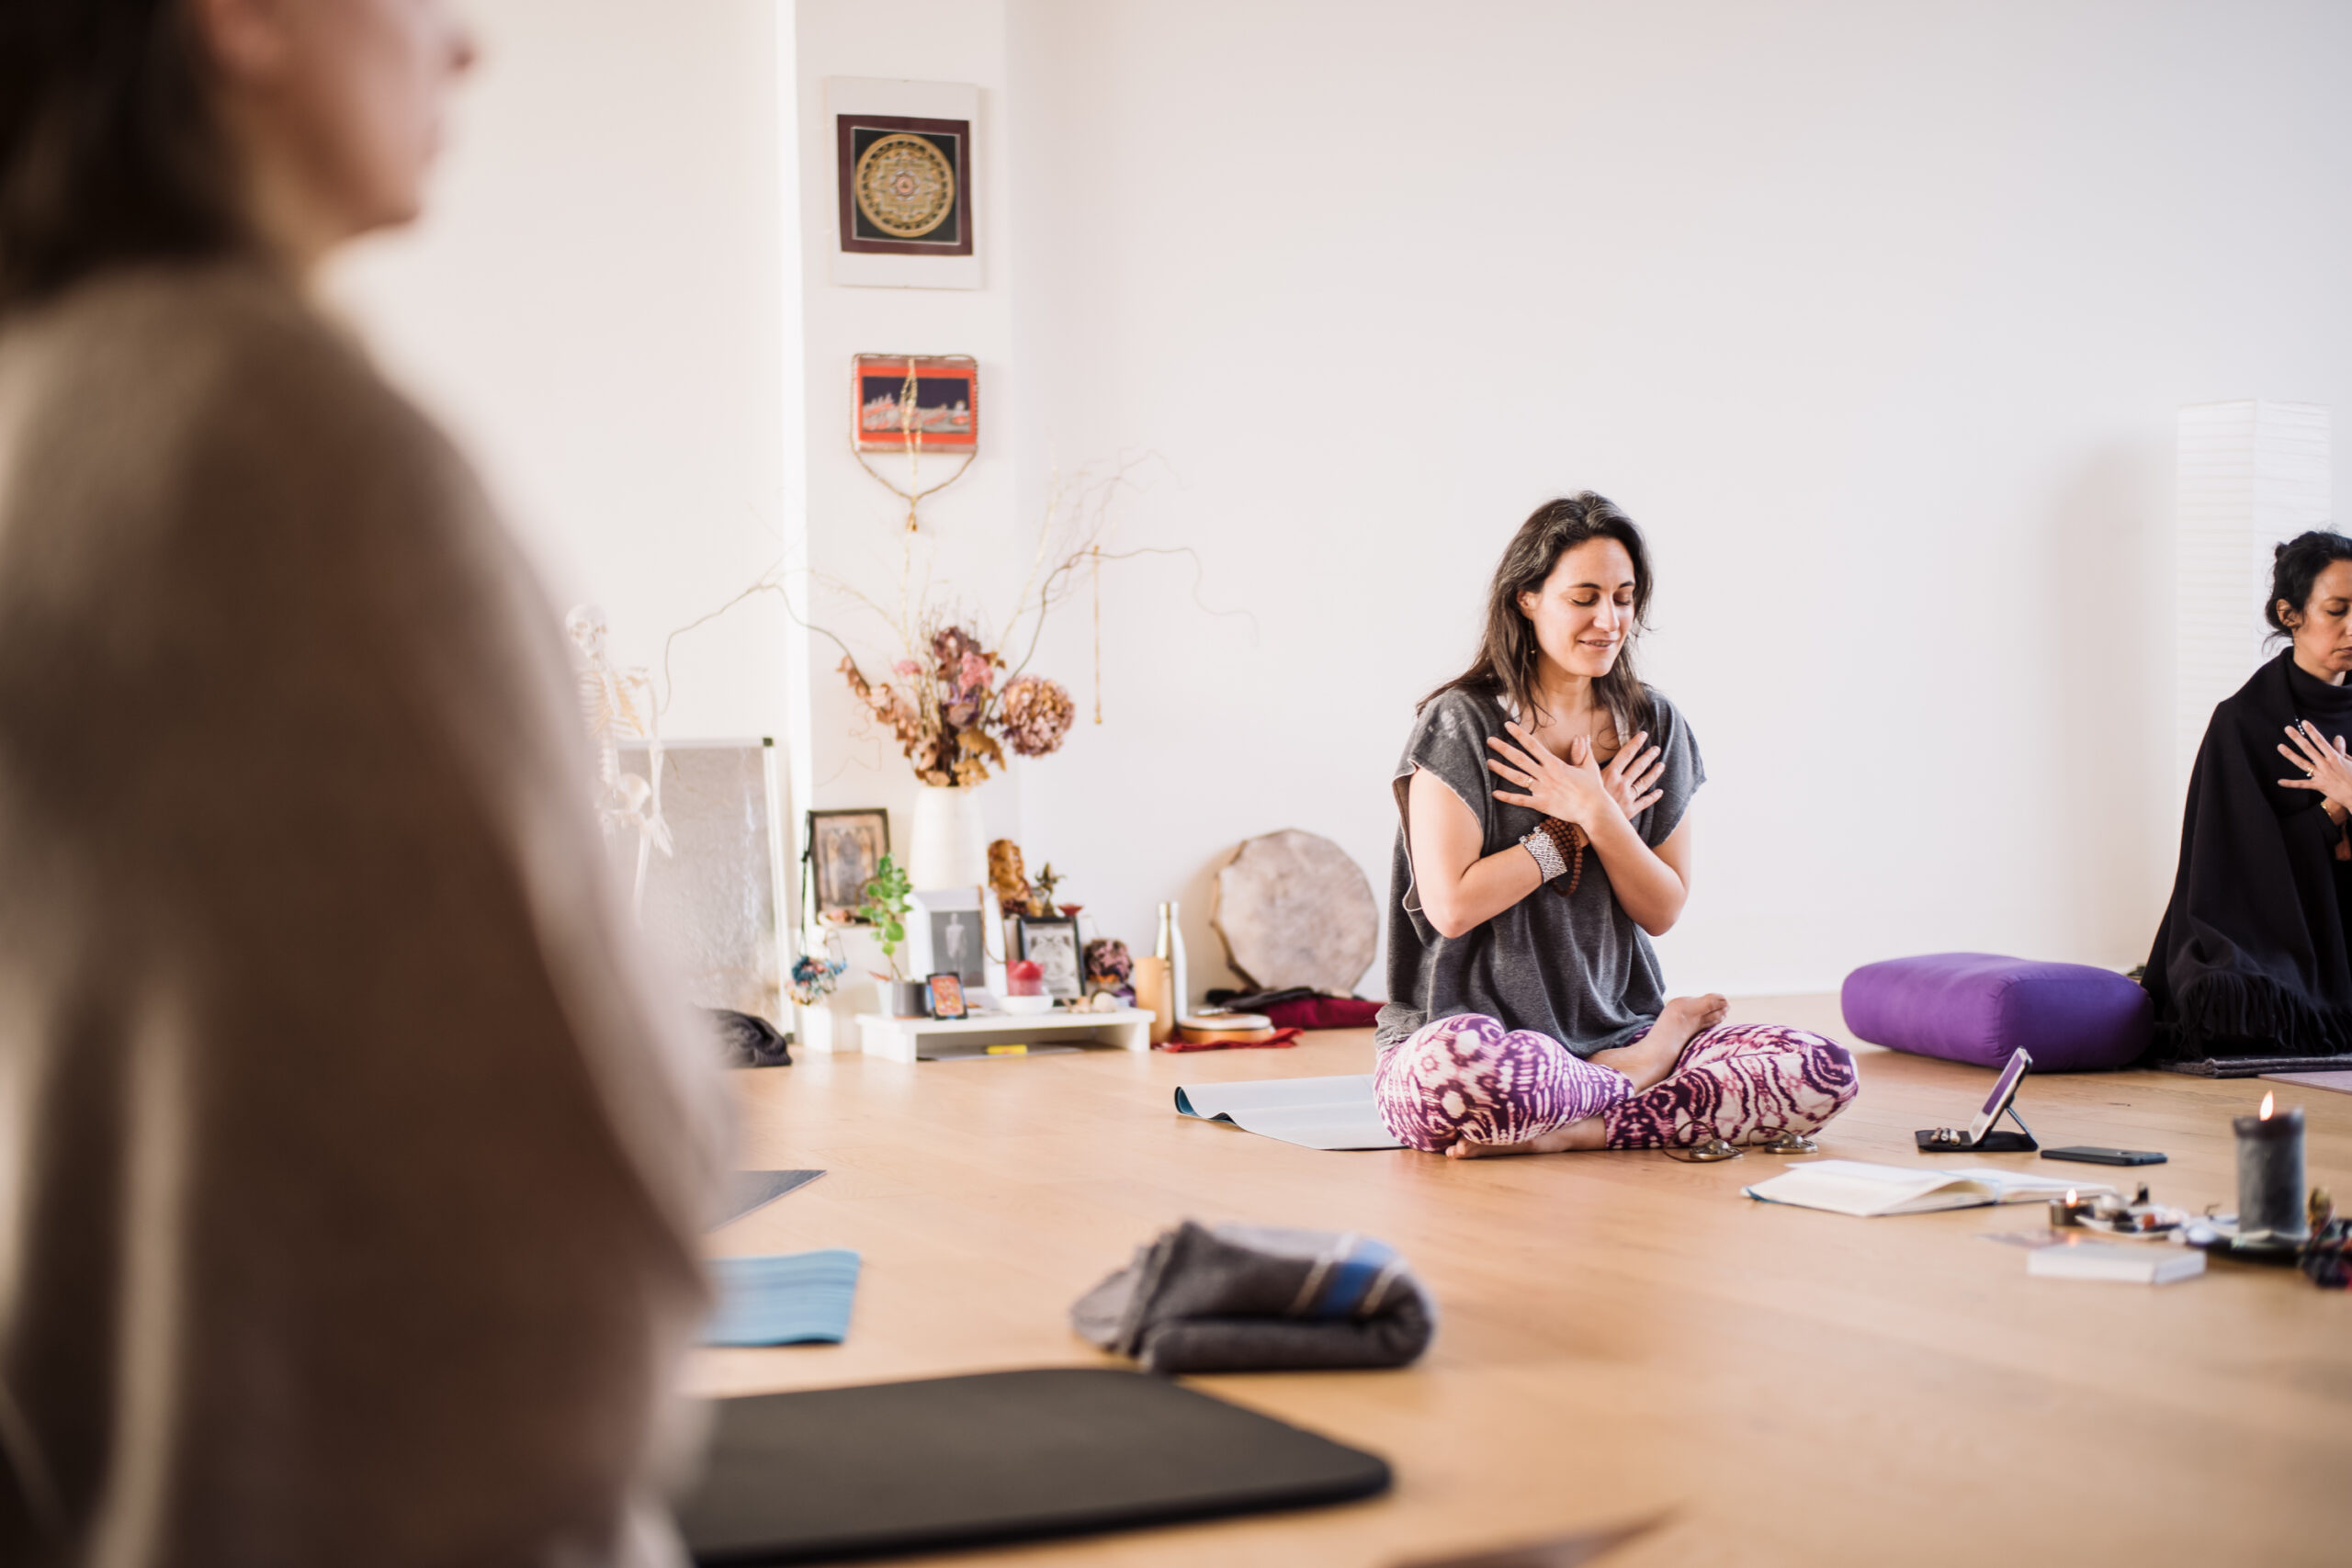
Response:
column 951, row 846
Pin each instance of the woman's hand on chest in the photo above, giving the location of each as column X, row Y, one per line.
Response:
column 1576, row 788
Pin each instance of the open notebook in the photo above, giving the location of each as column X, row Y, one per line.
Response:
column 1855, row 1187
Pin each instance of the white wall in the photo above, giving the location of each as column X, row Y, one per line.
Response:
column 593, row 305
column 1875, row 316
column 968, row 542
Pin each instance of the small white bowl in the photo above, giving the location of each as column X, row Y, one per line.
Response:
column 1026, row 1006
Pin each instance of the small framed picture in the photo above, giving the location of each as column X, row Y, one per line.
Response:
column 844, row 849
column 935, row 398
column 946, row 996
column 904, row 184
column 1052, row 945
column 951, row 930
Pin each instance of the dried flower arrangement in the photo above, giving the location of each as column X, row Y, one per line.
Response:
column 951, row 719
column 954, row 704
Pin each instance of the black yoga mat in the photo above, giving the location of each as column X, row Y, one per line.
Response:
column 750, row 1190
column 2255, row 1066
column 962, row 1461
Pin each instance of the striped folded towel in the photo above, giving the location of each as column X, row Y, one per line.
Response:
column 800, row 1298
column 1259, row 1297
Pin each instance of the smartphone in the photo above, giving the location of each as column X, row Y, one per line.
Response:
column 2089, row 1155
column 2004, row 1088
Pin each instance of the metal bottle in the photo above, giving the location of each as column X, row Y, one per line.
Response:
column 1171, row 946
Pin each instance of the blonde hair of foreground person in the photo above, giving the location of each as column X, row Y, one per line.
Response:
column 350, row 1168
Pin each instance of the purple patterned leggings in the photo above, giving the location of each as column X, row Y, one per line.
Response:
column 1465, row 1076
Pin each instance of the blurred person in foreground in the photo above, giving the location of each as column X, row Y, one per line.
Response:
column 350, row 1167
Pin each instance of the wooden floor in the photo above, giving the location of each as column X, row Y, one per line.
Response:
column 1620, row 1334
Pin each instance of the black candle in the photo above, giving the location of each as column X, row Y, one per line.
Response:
column 2270, row 1174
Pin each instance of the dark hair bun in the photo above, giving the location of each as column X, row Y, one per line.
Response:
column 2295, row 566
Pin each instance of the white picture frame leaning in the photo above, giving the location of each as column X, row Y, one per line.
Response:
column 958, row 930
column 1054, row 942
column 718, row 901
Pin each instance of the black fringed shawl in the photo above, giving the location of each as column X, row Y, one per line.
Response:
column 2251, row 958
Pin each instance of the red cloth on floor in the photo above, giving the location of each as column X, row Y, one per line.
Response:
column 1324, row 1012
column 1280, row 1037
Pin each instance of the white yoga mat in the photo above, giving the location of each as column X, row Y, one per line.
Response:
column 1314, row 1113
column 2340, row 1082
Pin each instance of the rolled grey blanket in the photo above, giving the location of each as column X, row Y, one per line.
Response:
column 1257, row 1298
column 750, row 1040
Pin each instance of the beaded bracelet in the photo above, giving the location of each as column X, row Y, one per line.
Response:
column 1567, row 841
column 1558, row 849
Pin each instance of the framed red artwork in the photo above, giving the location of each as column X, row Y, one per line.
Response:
column 942, row 402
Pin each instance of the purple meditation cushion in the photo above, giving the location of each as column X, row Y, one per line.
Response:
column 1979, row 1007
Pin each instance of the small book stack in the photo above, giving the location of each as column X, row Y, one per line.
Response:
column 2142, row 1263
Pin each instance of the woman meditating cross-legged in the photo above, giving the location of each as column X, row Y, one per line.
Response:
column 2253, row 958
column 1546, row 795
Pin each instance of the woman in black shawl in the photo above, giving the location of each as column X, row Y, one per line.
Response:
column 2251, row 961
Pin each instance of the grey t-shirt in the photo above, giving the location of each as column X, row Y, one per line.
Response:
column 1575, row 968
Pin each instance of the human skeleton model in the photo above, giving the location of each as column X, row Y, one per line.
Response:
column 619, row 706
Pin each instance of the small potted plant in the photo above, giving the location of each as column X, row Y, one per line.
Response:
column 885, row 898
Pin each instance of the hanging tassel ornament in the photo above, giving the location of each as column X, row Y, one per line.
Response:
column 909, row 396
column 911, row 432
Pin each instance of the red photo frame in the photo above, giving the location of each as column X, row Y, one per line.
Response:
column 947, row 402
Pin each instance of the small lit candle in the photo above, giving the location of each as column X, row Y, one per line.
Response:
column 2270, row 1174
column 2063, row 1213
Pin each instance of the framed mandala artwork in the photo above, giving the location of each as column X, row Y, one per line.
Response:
column 906, row 185
column 904, row 158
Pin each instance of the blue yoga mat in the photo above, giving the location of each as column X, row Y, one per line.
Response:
column 800, row 1298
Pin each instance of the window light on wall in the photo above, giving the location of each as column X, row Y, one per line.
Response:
column 2250, row 474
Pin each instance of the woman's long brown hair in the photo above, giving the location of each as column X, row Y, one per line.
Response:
column 109, row 150
column 1506, row 657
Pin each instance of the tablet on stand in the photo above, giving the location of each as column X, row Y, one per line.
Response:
column 1978, row 1136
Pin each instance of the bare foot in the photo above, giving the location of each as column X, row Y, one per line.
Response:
column 1648, row 1060
column 1585, row 1134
